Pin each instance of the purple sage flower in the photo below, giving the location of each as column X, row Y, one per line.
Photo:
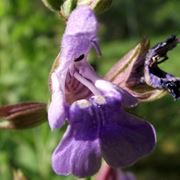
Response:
column 79, row 37
column 99, row 127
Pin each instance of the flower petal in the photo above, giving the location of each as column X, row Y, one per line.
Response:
column 81, row 158
column 56, row 110
column 78, row 36
column 113, row 90
column 82, row 20
column 83, row 120
column 128, row 100
column 125, row 138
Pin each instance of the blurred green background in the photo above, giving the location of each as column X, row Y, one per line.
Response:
column 30, row 40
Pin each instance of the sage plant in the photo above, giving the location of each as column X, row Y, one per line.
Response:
column 95, row 108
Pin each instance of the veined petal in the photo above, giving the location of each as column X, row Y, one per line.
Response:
column 125, row 138
column 78, row 157
column 82, row 118
column 74, row 90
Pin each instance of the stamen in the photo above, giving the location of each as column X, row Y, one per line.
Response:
column 87, row 83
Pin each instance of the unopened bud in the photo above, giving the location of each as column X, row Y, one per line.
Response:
column 128, row 73
column 53, row 5
column 24, row 115
column 67, row 8
column 98, row 6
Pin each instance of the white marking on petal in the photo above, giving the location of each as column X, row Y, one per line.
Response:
column 55, row 82
column 83, row 103
column 99, row 100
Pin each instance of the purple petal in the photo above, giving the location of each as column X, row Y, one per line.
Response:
column 125, row 138
column 80, row 158
column 56, row 110
column 127, row 99
column 74, row 90
column 126, row 176
column 72, row 47
column 83, row 120
column 79, row 36
column 82, row 20
column 114, row 91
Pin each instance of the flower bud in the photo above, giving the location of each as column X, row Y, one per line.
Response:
column 128, row 73
column 67, row 8
column 21, row 116
column 156, row 77
column 53, row 5
column 98, row 6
